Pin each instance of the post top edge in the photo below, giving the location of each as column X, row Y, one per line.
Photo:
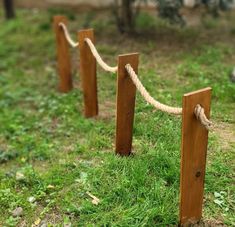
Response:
column 59, row 17
column 86, row 30
column 128, row 55
column 198, row 91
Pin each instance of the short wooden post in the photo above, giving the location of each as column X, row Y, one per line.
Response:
column 193, row 156
column 126, row 92
column 63, row 56
column 88, row 73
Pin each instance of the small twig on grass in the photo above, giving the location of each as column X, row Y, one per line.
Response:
column 95, row 200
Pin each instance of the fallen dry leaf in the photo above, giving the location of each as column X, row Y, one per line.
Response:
column 50, row 186
column 37, row 222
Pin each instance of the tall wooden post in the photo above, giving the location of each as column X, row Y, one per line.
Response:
column 63, row 56
column 88, row 73
column 126, row 92
column 193, row 156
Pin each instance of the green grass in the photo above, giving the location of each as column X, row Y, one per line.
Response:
column 62, row 155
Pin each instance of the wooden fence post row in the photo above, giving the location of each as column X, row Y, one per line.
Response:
column 88, row 73
column 125, row 102
column 194, row 135
column 63, row 56
column 193, row 156
column 87, row 66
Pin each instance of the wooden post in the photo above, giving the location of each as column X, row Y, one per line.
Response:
column 126, row 91
column 88, row 73
column 63, row 56
column 193, row 156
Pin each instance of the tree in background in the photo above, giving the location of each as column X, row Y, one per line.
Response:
column 169, row 9
column 125, row 15
column 126, row 11
column 9, row 9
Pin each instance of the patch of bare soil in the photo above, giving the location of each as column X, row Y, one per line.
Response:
column 207, row 223
column 3, row 144
column 106, row 110
column 226, row 133
column 52, row 219
column 201, row 29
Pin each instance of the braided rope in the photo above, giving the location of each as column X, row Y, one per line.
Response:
column 148, row 97
column 98, row 57
column 67, row 36
column 198, row 111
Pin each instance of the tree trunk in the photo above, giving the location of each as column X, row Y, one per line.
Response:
column 9, row 9
column 127, row 15
column 124, row 15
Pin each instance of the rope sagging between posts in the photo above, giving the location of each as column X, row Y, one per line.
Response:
column 198, row 111
column 67, row 36
column 148, row 97
column 99, row 59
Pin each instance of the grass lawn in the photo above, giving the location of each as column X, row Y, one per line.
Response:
column 50, row 152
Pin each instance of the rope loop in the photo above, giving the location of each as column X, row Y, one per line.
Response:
column 201, row 116
column 67, row 36
column 99, row 59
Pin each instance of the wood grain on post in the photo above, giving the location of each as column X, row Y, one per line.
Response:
column 88, row 73
column 63, row 55
column 126, row 92
column 193, row 156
